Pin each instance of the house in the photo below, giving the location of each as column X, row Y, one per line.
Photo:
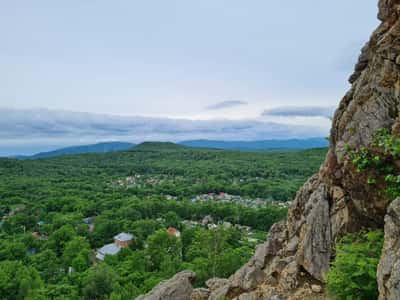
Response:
column 212, row 226
column 121, row 240
column 31, row 251
column 207, row 220
column 109, row 249
column 39, row 236
column 190, row 224
column 88, row 220
column 174, row 231
column 243, row 228
column 16, row 210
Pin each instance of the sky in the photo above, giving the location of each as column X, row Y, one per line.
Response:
column 272, row 64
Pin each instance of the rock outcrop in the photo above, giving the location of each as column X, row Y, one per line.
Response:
column 178, row 287
column 294, row 261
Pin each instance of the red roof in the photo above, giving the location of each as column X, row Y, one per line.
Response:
column 172, row 230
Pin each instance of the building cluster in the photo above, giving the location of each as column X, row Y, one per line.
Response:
column 11, row 213
column 228, row 198
column 237, row 199
column 130, row 181
column 208, row 222
column 141, row 181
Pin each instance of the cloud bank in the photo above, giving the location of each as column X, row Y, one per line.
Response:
column 226, row 104
column 301, row 111
column 39, row 127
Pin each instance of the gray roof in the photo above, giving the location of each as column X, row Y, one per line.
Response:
column 109, row 249
column 88, row 220
column 123, row 237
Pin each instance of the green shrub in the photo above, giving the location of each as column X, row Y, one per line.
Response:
column 353, row 273
column 378, row 161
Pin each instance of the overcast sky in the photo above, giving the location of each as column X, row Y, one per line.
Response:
column 186, row 59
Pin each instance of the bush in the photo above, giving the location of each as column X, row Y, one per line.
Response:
column 353, row 273
column 379, row 161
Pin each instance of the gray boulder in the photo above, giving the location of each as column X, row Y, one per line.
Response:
column 178, row 287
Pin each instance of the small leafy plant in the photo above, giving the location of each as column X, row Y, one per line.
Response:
column 353, row 273
column 379, row 161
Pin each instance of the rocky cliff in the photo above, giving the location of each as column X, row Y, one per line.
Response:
column 293, row 262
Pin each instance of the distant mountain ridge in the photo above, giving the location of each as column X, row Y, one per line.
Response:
column 92, row 148
column 266, row 145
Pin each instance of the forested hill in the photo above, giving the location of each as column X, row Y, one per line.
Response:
column 182, row 171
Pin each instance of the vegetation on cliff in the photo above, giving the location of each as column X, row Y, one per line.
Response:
column 378, row 161
column 353, row 273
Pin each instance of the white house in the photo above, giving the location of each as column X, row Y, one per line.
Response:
column 121, row 240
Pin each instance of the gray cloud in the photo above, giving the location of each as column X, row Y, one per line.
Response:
column 226, row 104
column 34, row 128
column 301, row 111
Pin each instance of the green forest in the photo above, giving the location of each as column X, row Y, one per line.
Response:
column 198, row 209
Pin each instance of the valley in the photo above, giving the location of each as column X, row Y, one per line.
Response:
column 116, row 224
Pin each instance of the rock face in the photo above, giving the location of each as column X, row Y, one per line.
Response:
column 200, row 294
column 337, row 199
column 389, row 266
column 178, row 287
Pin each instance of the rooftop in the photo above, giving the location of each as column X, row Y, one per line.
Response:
column 123, row 237
column 109, row 249
column 88, row 220
column 173, row 231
